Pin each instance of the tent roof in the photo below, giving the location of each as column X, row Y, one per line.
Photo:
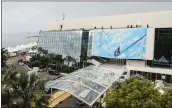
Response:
column 88, row 84
column 163, row 59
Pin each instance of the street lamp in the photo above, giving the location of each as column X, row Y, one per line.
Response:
column 84, row 63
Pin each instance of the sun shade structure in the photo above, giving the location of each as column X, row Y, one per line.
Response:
column 88, row 84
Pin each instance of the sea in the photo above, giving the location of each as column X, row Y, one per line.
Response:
column 12, row 40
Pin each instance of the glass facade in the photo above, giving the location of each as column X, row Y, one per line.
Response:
column 66, row 43
column 90, row 39
column 163, row 47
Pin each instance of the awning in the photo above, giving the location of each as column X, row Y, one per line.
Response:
column 88, row 84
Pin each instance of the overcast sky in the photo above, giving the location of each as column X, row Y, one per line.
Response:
column 18, row 17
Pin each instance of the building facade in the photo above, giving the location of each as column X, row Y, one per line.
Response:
column 66, row 43
column 157, row 62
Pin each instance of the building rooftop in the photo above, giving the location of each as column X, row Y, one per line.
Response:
column 158, row 19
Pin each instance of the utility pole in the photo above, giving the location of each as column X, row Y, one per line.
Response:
column 28, row 38
column 63, row 16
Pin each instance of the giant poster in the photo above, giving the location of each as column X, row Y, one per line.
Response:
column 127, row 43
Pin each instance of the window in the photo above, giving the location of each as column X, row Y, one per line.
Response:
column 131, row 73
column 139, row 72
column 163, row 46
column 125, row 73
column 168, row 79
column 158, row 76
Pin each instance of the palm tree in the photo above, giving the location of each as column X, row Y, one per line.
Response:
column 5, row 56
column 55, row 59
column 58, row 61
column 45, row 52
column 7, row 95
column 26, row 87
column 40, row 50
column 69, row 59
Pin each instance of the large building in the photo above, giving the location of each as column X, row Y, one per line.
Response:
column 142, row 42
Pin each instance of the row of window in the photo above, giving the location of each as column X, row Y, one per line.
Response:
column 60, row 40
column 153, row 76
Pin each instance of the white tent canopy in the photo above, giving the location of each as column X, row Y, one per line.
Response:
column 21, row 47
column 88, row 84
column 32, row 51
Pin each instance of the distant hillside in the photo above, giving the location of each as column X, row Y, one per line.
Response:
column 17, row 39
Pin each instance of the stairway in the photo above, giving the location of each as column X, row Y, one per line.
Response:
column 57, row 98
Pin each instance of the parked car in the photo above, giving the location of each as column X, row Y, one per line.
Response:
column 12, row 54
column 23, row 53
column 22, row 62
column 80, row 103
column 52, row 69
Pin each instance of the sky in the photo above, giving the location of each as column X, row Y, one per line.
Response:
column 19, row 18
column 22, row 17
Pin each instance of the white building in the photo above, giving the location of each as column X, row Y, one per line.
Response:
column 154, row 21
column 160, row 19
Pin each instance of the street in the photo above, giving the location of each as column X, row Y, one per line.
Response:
column 70, row 103
column 14, row 61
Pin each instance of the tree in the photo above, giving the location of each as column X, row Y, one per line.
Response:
column 40, row 50
column 133, row 93
column 43, row 61
column 166, row 99
column 4, row 57
column 39, row 61
column 45, row 52
column 69, row 59
column 7, row 95
column 26, row 87
column 33, row 48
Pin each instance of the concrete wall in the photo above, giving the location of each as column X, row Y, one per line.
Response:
column 150, row 42
column 154, row 19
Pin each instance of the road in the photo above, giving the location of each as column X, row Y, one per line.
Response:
column 14, row 61
column 69, row 103
column 46, row 76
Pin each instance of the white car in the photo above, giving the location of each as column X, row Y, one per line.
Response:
column 21, row 63
column 28, row 58
column 12, row 54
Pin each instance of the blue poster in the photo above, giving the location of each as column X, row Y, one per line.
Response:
column 127, row 43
